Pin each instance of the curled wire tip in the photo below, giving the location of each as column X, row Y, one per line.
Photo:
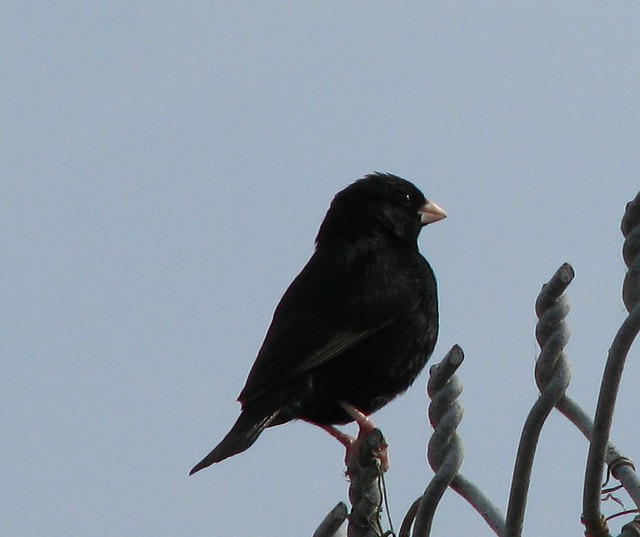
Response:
column 441, row 372
column 554, row 288
column 455, row 355
column 565, row 273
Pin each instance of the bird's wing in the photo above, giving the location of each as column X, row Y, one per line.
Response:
column 339, row 343
column 322, row 314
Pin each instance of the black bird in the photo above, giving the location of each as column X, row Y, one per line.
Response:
column 356, row 326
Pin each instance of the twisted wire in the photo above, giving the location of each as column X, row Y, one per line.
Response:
column 552, row 376
column 552, row 335
column 445, row 454
column 445, row 451
column 610, row 384
column 552, row 332
column 365, row 488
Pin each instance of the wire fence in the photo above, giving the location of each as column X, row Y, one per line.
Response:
column 552, row 376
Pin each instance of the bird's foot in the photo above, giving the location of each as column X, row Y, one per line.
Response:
column 353, row 445
column 365, row 428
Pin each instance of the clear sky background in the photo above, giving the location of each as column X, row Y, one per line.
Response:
column 165, row 167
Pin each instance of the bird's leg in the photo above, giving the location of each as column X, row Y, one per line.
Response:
column 345, row 439
column 365, row 425
column 365, row 428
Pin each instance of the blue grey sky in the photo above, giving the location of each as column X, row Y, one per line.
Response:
column 165, row 168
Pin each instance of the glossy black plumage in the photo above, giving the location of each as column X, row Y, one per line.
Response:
column 357, row 325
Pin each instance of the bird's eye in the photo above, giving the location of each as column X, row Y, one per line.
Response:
column 407, row 198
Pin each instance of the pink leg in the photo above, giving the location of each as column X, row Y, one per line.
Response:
column 365, row 425
column 345, row 439
column 353, row 445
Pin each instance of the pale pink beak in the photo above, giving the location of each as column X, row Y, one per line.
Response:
column 430, row 212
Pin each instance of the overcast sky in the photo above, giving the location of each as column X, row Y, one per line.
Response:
column 165, row 167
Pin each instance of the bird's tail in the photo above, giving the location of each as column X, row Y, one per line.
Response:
column 245, row 431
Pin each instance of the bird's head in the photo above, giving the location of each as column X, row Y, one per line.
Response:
column 379, row 203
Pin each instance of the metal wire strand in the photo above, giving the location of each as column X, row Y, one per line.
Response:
column 331, row 526
column 620, row 467
column 479, row 501
column 614, row 367
column 631, row 529
column 624, row 471
column 445, row 454
column 445, row 448
column 365, row 489
column 553, row 376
